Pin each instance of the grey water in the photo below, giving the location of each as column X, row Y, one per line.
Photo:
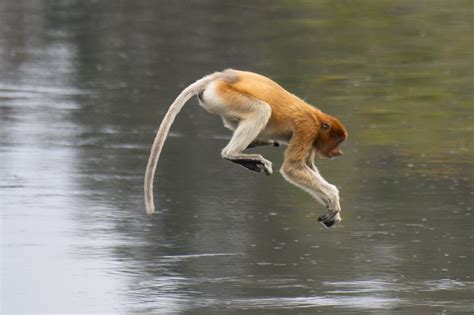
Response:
column 85, row 84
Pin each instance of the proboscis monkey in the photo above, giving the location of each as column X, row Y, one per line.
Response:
column 261, row 112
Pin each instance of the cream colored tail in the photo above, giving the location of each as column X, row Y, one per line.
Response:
column 162, row 133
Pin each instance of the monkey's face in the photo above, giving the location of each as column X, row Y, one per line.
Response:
column 331, row 134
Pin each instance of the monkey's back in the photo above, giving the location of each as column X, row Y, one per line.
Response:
column 288, row 110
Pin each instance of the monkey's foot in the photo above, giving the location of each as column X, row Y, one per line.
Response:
column 258, row 143
column 254, row 165
column 329, row 219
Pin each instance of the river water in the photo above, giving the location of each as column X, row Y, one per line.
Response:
column 83, row 88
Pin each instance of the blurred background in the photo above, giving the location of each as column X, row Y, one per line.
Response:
column 84, row 86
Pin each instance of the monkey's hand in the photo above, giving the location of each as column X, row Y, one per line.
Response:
column 334, row 208
column 329, row 219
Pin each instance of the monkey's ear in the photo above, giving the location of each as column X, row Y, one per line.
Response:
column 325, row 126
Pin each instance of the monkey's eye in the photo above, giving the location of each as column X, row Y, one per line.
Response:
column 325, row 126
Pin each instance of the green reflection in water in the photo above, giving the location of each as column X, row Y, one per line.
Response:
column 399, row 73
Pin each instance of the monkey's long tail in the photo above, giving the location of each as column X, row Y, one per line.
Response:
column 162, row 133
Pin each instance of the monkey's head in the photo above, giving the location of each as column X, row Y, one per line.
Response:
column 330, row 136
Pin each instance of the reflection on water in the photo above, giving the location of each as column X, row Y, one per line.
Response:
column 84, row 85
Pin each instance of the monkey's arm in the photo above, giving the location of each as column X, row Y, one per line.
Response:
column 299, row 170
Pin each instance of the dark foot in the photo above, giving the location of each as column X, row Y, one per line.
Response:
column 252, row 165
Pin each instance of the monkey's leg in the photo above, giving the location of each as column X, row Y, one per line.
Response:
column 254, row 162
column 247, row 131
column 230, row 123
column 260, row 143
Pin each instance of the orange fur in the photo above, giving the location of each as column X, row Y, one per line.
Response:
column 261, row 112
column 292, row 120
column 290, row 114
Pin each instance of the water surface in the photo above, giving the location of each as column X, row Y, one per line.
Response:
column 84, row 85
